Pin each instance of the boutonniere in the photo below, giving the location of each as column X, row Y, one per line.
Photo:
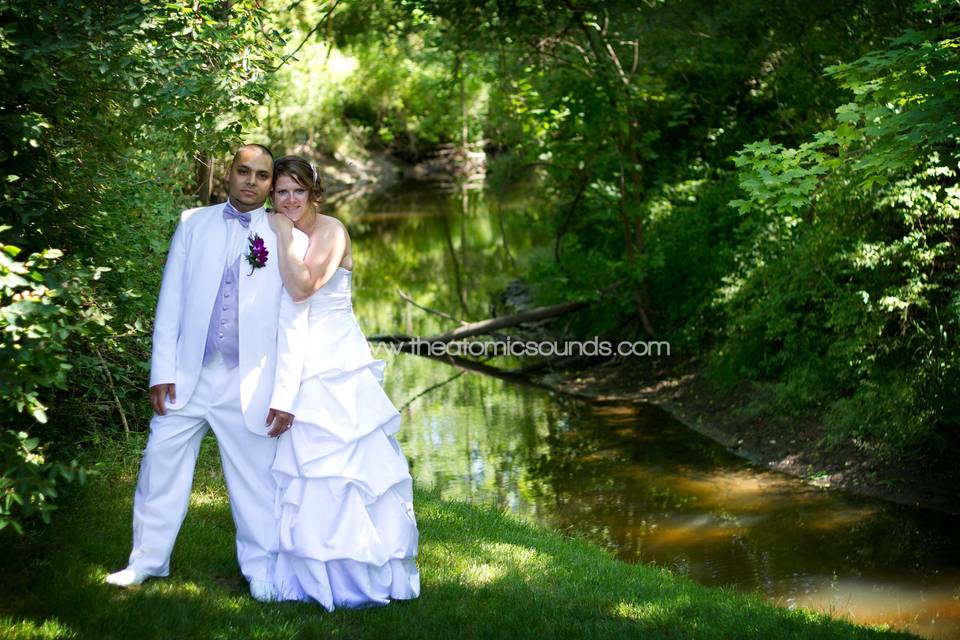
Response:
column 257, row 255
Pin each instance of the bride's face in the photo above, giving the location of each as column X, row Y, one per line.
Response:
column 291, row 198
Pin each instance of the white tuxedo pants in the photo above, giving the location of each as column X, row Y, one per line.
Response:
column 166, row 476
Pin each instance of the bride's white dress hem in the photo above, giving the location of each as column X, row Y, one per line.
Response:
column 346, row 525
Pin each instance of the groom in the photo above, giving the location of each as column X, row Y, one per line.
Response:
column 215, row 365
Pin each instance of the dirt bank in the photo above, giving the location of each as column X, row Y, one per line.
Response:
column 793, row 447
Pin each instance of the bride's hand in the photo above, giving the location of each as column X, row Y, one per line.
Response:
column 279, row 222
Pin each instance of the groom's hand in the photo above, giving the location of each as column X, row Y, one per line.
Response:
column 158, row 393
column 280, row 421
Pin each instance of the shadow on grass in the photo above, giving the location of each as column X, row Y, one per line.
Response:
column 483, row 576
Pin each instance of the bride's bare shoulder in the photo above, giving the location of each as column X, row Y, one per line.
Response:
column 328, row 235
column 336, row 234
column 328, row 225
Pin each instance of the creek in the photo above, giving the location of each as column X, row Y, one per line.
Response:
column 631, row 479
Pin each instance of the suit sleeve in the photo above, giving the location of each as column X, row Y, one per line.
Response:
column 166, row 324
column 292, row 336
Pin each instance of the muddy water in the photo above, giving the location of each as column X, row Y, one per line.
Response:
column 632, row 479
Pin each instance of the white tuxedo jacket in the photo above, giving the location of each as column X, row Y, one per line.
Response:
column 191, row 280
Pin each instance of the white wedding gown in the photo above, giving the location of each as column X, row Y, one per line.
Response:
column 347, row 531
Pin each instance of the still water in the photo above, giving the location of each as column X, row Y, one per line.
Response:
column 629, row 478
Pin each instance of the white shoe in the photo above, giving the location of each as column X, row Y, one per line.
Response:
column 262, row 591
column 126, row 578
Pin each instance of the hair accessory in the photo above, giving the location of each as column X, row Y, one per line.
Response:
column 315, row 177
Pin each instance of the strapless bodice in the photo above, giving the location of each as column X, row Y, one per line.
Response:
column 335, row 295
column 334, row 341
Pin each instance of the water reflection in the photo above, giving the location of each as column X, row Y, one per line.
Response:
column 629, row 478
column 657, row 492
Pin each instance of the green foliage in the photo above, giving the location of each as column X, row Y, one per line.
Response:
column 617, row 104
column 105, row 105
column 375, row 78
column 34, row 327
column 38, row 315
column 87, row 82
column 853, row 270
column 692, row 246
column 830, row 279
column 28, row 484
column 904, row 110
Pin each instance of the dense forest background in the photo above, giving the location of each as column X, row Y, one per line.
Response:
column 773, row 189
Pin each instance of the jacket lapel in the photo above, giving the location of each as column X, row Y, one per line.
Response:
column 213, row 241
column 250, row 282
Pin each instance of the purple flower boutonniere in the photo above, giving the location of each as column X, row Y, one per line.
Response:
column 257, row 255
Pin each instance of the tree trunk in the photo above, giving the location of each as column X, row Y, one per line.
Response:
column 204, row 168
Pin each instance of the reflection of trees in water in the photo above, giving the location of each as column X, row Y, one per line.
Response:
column 444, row 251
column 453, row 262
column 582, row 472
column 635, row 481
column 652, row 490
column 474, row 438
column 628, row 488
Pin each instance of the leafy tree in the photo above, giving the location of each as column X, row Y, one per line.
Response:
column 105, row 105
column 870, row 203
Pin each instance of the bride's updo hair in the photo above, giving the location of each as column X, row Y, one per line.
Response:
column 303, row 173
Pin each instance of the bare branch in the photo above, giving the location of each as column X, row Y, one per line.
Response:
column 410, row 300
column 113, row 392
column 491, row 325
column 316, row 27
column 431, row 388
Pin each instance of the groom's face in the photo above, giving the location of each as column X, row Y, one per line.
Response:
column 248, row 182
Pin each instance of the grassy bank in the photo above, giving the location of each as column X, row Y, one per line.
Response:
column 483, row 575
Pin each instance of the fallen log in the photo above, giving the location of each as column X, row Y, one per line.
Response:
column 491, row 325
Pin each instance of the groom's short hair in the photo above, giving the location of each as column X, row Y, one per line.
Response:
column 253, row 145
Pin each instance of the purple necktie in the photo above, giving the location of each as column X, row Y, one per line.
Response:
column 230, row 212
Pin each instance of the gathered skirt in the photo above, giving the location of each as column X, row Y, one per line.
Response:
column 346, row 525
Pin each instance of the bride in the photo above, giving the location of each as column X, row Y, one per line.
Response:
column 347, row 530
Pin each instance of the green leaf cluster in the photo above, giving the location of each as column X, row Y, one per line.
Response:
column 847, row 295
column 28, row 483
column 105, row 108
column 361, row 76
column 774, row 190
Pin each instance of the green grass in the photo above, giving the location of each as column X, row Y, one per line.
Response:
column 483, row 575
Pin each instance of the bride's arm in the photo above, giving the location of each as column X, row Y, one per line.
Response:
column 293, row 333
column 293, row 330
column 301, row 277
